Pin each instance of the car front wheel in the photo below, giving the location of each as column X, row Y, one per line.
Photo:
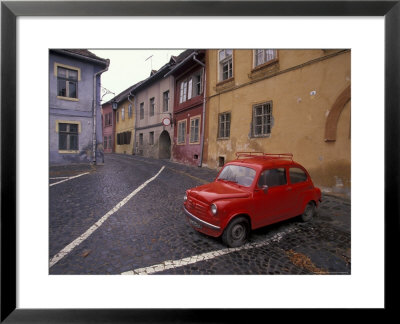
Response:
column 237, row 232
column 309, row 212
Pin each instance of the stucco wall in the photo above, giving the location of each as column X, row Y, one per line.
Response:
column 153, row 123
column 75, row 110
column 301, row 95
column 126, row 125
column 108, row 130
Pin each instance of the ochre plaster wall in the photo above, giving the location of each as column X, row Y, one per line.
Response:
column 123, row 126
column 303, row 86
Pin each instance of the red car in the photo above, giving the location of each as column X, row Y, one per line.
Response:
column 253, row 191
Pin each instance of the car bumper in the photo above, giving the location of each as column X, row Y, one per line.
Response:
column 199, row 224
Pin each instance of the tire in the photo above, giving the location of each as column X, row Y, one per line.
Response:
column 309, row 212
column 237, row 232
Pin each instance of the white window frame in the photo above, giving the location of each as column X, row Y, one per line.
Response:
column 179, row 139
column 267, row 55
column 225, row 60
column 196, row 129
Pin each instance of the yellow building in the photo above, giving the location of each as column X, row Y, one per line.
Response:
column 278, row 101
column 124, row 123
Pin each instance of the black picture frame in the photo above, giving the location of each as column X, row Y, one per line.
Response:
column 10, row 10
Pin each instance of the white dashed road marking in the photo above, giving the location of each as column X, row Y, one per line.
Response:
column 94, row 227
column 171, row 264
column 68, row 178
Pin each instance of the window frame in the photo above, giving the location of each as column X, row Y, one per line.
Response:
column 265, row 62
column 68, row 68
column 298, row 168
column 130, row 111
column 68, row 149
column 198, row 117
column 221, row 64
column 225, row 127
column 151, row 138
column 122, row 113
column 165, row 101
column 268, row 124
column 152, row 106
column 141, row 111
column 183, row 141
column 269, row 169
column 140, row 139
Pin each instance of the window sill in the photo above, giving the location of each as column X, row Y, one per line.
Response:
column 264, row 65
column 222, row 138
column 266, row 69
column 193, row 143
column 68, row 151
column 67, row 98
column 225, row 84
column 261, row 136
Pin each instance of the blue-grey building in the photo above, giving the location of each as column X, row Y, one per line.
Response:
column 75, row 126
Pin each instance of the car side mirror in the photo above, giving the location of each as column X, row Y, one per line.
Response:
column 265, row 189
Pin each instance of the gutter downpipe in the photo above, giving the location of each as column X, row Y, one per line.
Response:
column 94, row 135
column 204, row 110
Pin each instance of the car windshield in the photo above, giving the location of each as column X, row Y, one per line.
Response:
column 238, row 174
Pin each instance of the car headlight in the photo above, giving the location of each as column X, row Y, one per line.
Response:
column 214, row 209
column 185, row 198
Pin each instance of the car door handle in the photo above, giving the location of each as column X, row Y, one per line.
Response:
column 289, row 189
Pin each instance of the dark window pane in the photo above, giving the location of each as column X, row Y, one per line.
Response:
column 272, row 178
column 62, row 141
column 62, row 127
column 73, row 142
column 72, row 90
column 62, row 88
column 72, row 75
column 62, row 72
column 297, row 175
column 73, row 128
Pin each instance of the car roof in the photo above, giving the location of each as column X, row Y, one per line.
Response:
column 261, row 162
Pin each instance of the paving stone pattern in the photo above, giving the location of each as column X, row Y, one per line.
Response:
column 150, row 230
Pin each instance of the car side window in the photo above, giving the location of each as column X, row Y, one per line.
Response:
column 297, row 175
column 272, row 178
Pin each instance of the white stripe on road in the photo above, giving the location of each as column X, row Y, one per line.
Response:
column 173, row 264
column 69, row 178
column 94, row 227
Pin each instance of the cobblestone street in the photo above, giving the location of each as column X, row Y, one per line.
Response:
column 126, row 217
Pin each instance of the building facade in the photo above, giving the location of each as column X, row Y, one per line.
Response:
column 75, row 126
column 124, row 123
column 189, row 105
column 108, row 115
column 153, row 127
column 278, row 101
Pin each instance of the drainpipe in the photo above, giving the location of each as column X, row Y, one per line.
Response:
column 204, row 110
column 94, row 135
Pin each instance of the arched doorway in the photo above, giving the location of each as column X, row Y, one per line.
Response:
column 164, row 146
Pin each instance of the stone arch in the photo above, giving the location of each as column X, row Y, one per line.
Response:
column 334, row 114
column 164, row 146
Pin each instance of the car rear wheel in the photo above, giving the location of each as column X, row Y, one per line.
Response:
column 237, row 232
column 309, row 212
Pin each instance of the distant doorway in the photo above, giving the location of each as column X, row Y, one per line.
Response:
column 164, row 146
